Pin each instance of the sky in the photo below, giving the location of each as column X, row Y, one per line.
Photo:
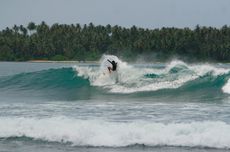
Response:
column 142, row 13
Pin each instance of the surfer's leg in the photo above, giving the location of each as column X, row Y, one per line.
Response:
column 109, row 68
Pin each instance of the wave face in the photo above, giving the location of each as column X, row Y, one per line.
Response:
column 52, row 78
column 82, row 82
column 60, row 84
column 114, row 134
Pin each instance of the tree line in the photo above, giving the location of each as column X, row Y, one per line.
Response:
column 89, row 42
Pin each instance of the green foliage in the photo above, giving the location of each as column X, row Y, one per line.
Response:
column 89, row 42
column 58, row 58
column 6, row 54
column 31, row 26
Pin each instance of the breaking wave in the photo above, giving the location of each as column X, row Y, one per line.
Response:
column 128, row 79
column 176, row 74
column 117, row 134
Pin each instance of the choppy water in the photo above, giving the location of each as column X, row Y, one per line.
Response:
column 170, row 106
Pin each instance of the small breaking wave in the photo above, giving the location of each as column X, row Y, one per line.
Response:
column 118, row 134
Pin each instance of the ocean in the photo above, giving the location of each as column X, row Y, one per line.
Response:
column 66, row 107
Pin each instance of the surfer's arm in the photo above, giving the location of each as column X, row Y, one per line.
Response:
column 109, row 61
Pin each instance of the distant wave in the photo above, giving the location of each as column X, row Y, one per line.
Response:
column 213, row 134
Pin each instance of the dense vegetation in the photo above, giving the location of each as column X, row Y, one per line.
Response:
column 89, row 42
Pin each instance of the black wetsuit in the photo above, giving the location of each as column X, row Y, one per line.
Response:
column 114, row 65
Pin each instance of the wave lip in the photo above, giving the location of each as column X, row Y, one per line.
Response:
column 118, row 134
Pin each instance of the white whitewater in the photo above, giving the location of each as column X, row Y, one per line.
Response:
column 115, row 134
column 130, row 79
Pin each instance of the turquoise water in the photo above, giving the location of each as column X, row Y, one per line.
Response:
column 170, row 106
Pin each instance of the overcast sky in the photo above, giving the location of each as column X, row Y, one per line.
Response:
column 142, row 13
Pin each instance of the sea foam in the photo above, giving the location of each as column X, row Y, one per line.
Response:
column 118, row 134
column 226, row 87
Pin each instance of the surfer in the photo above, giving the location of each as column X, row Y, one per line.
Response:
column 114, row 66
